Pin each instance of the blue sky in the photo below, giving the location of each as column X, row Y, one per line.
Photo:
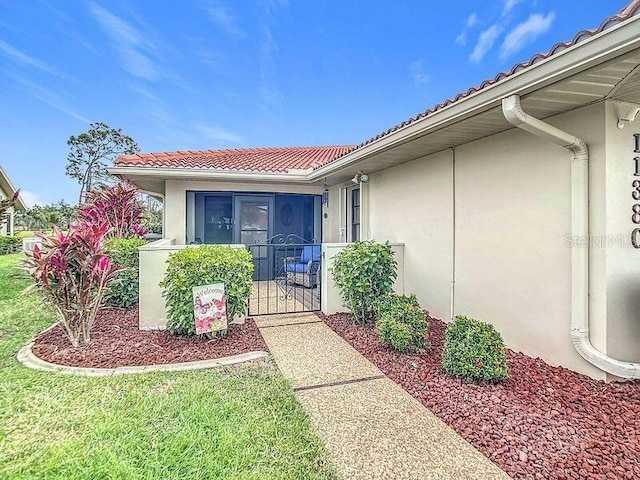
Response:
column 201, row 74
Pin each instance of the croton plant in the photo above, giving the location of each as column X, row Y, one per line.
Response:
column 73, row 272
column 119, row 206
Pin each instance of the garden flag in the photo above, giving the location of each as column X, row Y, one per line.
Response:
column 209, row 308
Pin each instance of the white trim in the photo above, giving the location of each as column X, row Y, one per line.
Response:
column 209, row 174
column 10, row 190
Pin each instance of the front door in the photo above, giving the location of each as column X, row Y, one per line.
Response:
column 254, row 226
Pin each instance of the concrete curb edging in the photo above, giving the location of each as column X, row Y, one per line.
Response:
column 29, row 359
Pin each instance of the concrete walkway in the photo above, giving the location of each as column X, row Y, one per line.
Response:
column 372, row 427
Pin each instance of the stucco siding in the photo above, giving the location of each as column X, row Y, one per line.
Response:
column 412, row 204
column 512, row 233
column 513, row 243
column 622, row 259
column 334, row 216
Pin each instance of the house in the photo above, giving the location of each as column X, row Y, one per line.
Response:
column 8, row 191
column 213, row 196
column 517, row 202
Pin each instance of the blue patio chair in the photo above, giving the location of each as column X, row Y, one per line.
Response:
column 303, row 269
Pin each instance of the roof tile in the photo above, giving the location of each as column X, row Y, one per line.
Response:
column 276, row 160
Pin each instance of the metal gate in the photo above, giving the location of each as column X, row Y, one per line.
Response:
column 286, row 276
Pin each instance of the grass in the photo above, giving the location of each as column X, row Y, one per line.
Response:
column 32, row 233
column 240, row 423
column 29, row 233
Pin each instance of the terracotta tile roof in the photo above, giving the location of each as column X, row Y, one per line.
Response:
column 627, row 12
column 277, row 160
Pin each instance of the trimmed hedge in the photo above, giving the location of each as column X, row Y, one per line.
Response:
column 123, row 252
column 474, row 351
column 363, row 272
column 402, row 323
column 10, row 244
column 205, row 265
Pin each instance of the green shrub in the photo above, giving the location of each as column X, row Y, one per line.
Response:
column 401, row 322
column 363, row 272
column 205, row 265
column 123, row 252
column 474, row 351
column 10, row 244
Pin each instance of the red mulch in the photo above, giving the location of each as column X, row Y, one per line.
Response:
column 116, row 342
column 543, row 422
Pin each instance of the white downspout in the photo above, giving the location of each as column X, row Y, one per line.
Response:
column 579, row 230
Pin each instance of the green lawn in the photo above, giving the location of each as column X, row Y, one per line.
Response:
column 240, row 424
column 28, row 233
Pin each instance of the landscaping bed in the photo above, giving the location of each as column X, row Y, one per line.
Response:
column 117, row 342
column 543, row 422
column 240, row 422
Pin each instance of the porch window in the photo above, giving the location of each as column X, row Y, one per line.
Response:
column 8, row 222
column 251, row 217
column 254, row 221
column 218, row 214
column 353, row 214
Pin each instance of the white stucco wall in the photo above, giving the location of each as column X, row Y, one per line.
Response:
column 152, row 313
column 512, row 226
column 622, row 259
column 412, row 204
column 334, row 217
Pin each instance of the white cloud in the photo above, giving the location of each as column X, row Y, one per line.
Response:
column 22, row 59
column 420, row 77
column 30, row 199
column 160, row 114
column 271, row 95
column 220, row 134
column 508, row 6
column 472, row 21
column 270, row 7
column 135, row 49
column 49, row 97
column 526, row 32
column 485, row 43
column 224, row 18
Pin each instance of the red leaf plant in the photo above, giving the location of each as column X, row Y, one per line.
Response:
column 73, row 272
column 119, row 206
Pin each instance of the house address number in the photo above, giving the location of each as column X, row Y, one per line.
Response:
column 635, row 193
